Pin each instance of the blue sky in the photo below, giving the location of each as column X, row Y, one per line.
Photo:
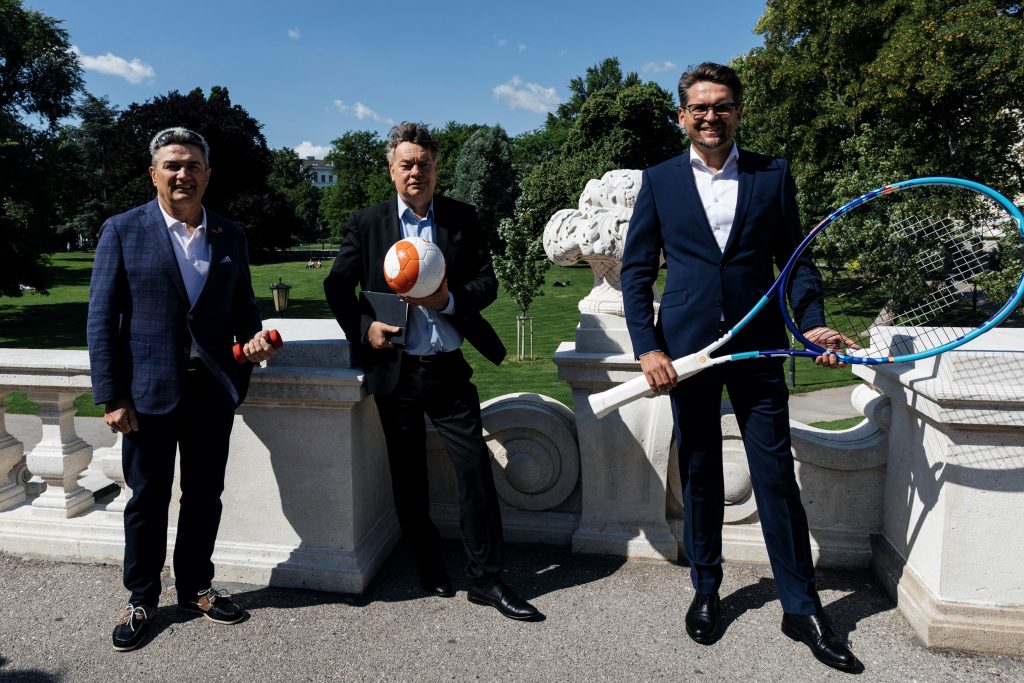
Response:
column 311, row 70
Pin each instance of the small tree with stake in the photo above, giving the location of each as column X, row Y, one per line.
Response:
column 520, row 267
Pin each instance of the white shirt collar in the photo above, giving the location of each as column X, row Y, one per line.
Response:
column 732, row 159
column 171, row 221
column 403, row 207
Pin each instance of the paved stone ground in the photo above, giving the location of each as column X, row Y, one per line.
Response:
column 607, row 621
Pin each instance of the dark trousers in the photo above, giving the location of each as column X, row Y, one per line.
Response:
column 200, row 426
column 440, row 387
column 760, row 400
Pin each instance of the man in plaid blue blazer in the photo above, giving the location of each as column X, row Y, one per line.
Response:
column 170, row 294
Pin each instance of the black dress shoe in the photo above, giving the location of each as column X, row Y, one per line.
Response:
column 131, row 629
column 435, row 582
column 816, row 633
column 702, row 618
column 502, row 598
column 433, row 576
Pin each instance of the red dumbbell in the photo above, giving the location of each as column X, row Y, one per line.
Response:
column 274, row 337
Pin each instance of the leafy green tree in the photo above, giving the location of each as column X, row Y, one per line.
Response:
column 486, row 178
column 858, row 95
column 86, row 160
column 452, row 137
column 520, row 268
column 239, row 158
column 293, row 180
column 39, row 77
column 361, row 167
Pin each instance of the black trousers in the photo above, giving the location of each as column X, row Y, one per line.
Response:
column 757, row 391
column 200, row 426
column 440, row 387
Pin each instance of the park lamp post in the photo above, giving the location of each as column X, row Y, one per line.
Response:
column 280, row 292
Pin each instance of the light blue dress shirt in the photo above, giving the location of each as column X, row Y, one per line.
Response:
column 428, row 331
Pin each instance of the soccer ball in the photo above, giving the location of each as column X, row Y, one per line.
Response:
column 414, row 267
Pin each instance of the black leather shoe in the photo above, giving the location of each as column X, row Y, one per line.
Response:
column 702, row 618
column 435, row 582
column 816, row 633
column 215, row 605
column 130, row 631
column 502, row 598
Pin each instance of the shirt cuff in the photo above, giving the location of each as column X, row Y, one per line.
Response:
column 450, row 308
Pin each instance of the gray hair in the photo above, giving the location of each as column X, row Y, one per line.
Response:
column 416, row 133
column 178, row 136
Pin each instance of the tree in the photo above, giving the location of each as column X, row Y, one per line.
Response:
column 39, row 77
column 858, row 95
column 486, row 178
column 85, row 161
column 520, row 267
column 361, row 167
column 239, row 158
column 452, row 137
column 293, row 180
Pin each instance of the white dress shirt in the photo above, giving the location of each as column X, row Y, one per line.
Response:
column 718, row 192
column 193, row 254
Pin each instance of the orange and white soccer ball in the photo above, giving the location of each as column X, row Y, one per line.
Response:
column 414, row 267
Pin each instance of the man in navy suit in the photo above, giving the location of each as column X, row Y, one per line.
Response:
column 170, row 295
column 723, row 218
column 429, row 374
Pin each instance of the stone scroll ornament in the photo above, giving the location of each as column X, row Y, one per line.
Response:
column 595, row 232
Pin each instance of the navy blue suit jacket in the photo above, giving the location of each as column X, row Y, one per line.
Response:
column 702, row 282
column 141, row 326
column 360, row 262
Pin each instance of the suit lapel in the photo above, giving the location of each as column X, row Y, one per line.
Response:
column 691, row 201
column 440, row 221
column 162, row 237
column 743, row 194
column 218, row 251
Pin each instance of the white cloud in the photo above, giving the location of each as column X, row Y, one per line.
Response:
column 361, row 112
column 521, row 47
column 134, row 72
column 658, row 67
column 308, row 149
column 502, row 42
column 528, row 96
column 294, row 33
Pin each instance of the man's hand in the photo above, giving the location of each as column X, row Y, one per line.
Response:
column 259, row 348
column 658, row 370
column 437, row 301
column 830, row 340
column 378, row 335
column 120, row 416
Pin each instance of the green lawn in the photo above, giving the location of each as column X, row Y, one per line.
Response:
column 57, row 321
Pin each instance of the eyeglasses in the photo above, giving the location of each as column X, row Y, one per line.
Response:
column 722, row 109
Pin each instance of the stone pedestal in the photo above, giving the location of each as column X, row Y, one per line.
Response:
column 12, row 464
column 951, row 546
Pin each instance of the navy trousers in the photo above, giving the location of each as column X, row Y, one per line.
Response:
column 760, row 400
column 200, row 426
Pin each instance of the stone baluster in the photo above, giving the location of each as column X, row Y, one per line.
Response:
column 12, row 465
column 109, row 460
column 60, row 456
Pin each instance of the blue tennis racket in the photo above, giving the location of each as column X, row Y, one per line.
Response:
column 908, row 271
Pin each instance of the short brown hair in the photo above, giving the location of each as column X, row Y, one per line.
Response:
column 715, row 73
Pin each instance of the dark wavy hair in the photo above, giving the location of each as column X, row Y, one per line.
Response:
column 715, row 73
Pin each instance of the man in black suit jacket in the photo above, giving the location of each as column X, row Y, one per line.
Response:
column 170, row 294
column 429, row 374
column 723, row 218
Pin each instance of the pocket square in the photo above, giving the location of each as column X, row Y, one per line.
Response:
column 226, row 259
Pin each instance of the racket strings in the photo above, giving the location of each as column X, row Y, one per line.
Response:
column 904, row 277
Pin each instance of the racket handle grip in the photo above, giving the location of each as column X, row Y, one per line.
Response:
column 274, row 337
column 606, row 401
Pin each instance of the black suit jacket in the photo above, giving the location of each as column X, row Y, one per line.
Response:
column 360, row 262
column 703, row 284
